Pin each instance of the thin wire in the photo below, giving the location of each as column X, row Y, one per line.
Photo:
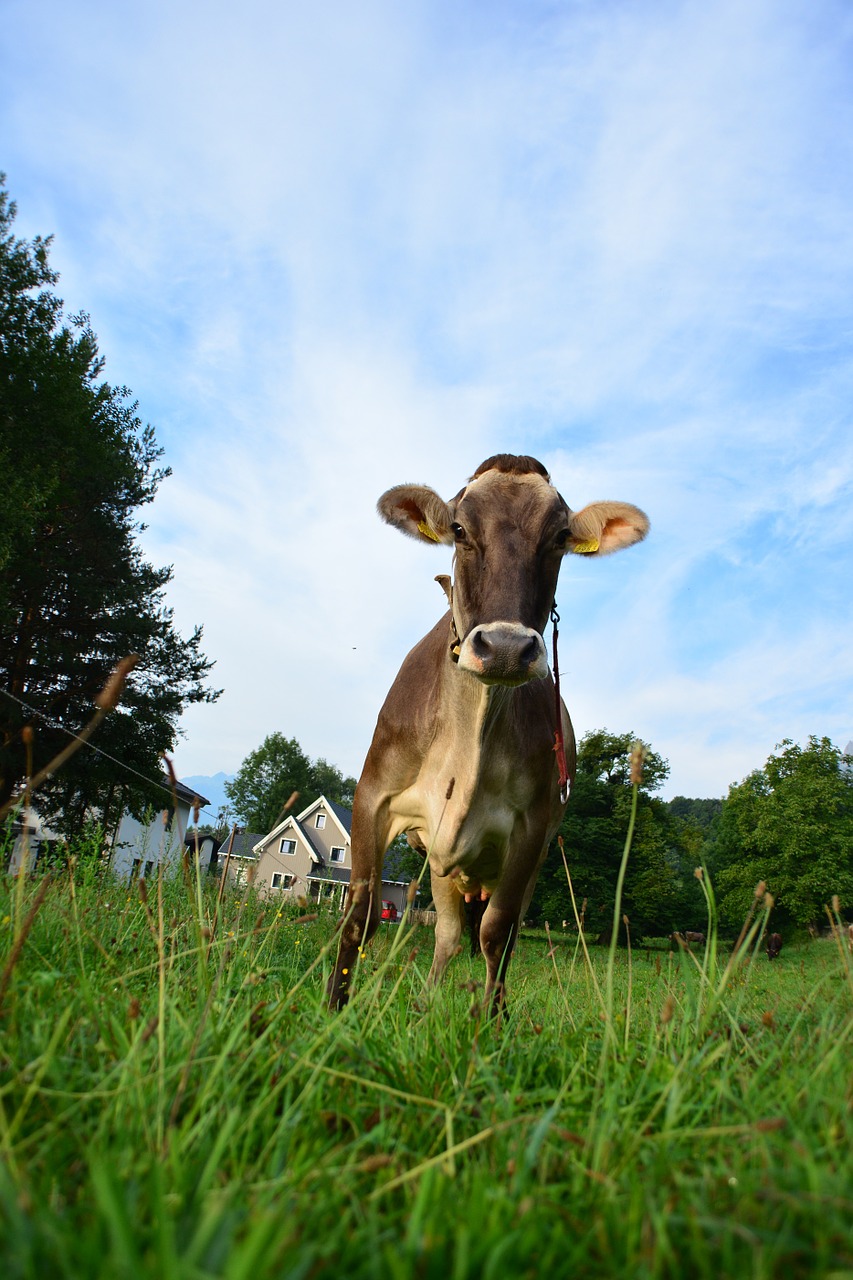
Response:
column 54, row 724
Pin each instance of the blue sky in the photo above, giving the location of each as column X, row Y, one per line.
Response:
column 333, row 251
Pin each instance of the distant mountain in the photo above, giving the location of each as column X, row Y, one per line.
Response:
column 213, row 790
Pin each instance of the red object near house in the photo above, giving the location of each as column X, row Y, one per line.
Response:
column 389, row 911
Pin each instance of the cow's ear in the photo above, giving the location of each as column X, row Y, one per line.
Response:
column 418, row 511
column 604, row 527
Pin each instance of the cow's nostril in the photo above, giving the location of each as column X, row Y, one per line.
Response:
column 530, row 652
column 481, row 647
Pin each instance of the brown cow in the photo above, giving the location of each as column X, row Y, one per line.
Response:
column 463, row 757
column 684, row 940
column 774, row 945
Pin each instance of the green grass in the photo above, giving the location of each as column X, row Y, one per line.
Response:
column 176, row 1104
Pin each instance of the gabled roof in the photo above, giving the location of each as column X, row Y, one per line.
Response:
column 290, row 824
column 340, row 814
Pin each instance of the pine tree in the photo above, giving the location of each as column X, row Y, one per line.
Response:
column 76, row 594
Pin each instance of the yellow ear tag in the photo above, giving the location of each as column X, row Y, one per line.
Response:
column 424, row 528
column 586, row 548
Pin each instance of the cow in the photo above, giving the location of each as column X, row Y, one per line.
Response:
column 467, row 745
column 684, row 940
column 774, row 945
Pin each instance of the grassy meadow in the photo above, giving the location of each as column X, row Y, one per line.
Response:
column 175, row 1101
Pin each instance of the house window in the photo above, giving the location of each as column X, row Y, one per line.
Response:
column 320, row 821
column 277, row 878
column 281, row 881
column 336, row 853
column 149, row 868
column 287, row 846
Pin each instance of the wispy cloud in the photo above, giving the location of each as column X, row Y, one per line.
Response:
column 332, row 252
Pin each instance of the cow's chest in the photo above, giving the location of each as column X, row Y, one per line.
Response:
column 496, row 782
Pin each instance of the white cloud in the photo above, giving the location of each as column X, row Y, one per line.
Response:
column 334, row 252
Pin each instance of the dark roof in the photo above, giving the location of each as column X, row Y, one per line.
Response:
column 343, row 815
column 241, row 846
column 339, row 874
column 189, row 840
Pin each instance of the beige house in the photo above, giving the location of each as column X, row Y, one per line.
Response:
column 308, row 855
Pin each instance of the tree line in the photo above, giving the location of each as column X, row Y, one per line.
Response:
column 788, row 824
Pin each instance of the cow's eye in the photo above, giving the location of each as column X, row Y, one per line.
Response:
column 458, row 532
column 562, row 538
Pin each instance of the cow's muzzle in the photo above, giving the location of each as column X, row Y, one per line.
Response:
column 504, row 653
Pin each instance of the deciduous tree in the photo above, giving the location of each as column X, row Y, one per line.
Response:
column 657, row 895
column 791, row 825
column 272, row 772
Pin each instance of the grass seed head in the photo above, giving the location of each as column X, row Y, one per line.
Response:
column 638, row 756
column 109, row 696
column 667, row 1010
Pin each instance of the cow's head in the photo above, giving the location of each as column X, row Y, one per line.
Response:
column 510, row 529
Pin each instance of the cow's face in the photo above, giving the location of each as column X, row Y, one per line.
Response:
column 510, row 529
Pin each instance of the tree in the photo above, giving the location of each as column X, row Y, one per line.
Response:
column 789, row 824
column 659, row 893
column 76, row 594
column 269, row 775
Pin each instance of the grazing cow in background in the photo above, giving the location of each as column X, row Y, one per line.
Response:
column 774, row 945
column 464, row 757
column 684, row 940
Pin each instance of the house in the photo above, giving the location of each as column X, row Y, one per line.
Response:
column 308, row 855
column 138, row 845
column 141, row 845
column 30, row 842
column 237, row 857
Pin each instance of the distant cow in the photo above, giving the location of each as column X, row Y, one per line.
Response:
column 679, row 939
column 466, row 749
column 774, row 945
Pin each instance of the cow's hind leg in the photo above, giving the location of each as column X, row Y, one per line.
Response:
column 498, row 931
column 475, row 905
column 448, row 924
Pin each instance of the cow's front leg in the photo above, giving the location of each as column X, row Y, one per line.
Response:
column 360, row 923
column 370, row 838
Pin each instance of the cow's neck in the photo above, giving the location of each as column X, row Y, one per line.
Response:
column 471, row 713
